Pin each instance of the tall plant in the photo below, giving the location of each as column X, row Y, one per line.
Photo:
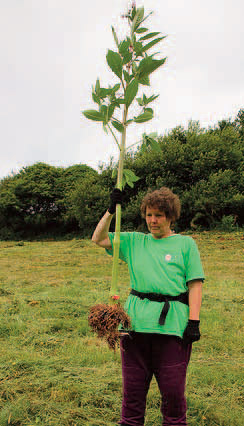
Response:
column 132, row 64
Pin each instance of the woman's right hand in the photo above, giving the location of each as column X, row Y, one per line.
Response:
column 116, row 197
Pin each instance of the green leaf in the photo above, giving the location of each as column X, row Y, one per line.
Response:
column 97, row 87
column 146, row 116
column 125, row 52
column 123, row 182
column 124, row 46
column 137, row 19
column 131, row 92
column 138, row 48
column 104, row 110
column 120, row 101
column 134, row 68
column 130, row 177
column 116, row 88
column 150, row 35
column 154, row 54
column 115, row 63
column 127, row 76
column 153, row 135
column 118, row 126
column 144, row 81
column 128, row 122
column 152, row 98
column 114, row 173
column 103, row 93
column 115, row 103
column 152, row 43
column 148, row 65
column 105, row 129
column 115, row 37
column 146, row 17
column 111, row 109
column 96, row 98
column 133, row 12
column 140, row 101
column 143, row 148
column 149, row 110
column 127, row 58
column 152, row 143
column 130, row 173
column 91, row 114
column 141, row 30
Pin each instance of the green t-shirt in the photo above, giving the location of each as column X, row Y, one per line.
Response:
column 160, row 266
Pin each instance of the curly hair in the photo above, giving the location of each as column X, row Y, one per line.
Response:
column 163, row 199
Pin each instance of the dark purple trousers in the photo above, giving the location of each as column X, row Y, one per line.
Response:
column 144, row 355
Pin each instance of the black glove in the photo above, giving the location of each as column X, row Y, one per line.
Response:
column 191, row 333
column 116, row 197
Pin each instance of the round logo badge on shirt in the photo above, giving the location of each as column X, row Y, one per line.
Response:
column 168, row 257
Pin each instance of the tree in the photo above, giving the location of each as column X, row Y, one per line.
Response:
column 36, row 200
column 70, row 179
column 240, row 122
column 36, row 193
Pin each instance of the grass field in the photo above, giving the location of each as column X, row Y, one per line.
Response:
column 55, row 372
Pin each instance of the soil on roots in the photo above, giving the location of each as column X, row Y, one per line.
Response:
column 104, row 321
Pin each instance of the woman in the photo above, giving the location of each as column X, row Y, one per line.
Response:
column 166, row 279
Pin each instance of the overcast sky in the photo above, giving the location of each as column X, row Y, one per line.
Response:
column 52, row 52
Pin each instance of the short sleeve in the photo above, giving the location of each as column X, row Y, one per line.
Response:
column 124, row 247
column 194, row 268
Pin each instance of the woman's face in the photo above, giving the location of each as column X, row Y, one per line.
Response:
column 158, row 224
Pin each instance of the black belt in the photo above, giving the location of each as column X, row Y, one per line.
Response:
column 157, row 297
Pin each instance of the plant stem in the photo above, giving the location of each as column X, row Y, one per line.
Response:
column 136, row 143
column 123, row 84
column 114, row 284
column 116, row 140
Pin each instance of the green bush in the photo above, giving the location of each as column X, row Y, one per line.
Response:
column 88, row 202
column 227, row 224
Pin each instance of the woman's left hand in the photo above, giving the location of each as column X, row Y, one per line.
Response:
column 192, row 332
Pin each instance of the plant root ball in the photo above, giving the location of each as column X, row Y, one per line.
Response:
column 104, row 321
